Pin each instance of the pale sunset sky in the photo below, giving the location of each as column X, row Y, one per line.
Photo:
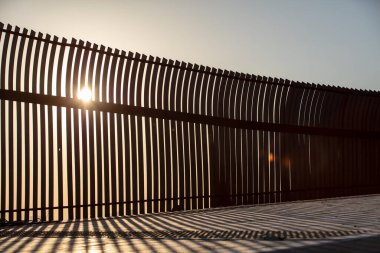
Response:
column 335, row 42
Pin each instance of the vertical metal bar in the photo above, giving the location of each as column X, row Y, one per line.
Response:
column 43, row 160
column 347, row 161
column 366, row 151
column 91, row 133
column 99, row 141
column 260, row 143
column 133, row 140
column 112, row 136
column 155, row 155
column 133, row 85
column 36, row 152
column 127, row 157
column 255, row 136
column 360, row 163
column 145, row 95
column 270, row 140
column 187, row 164
column 317, row 144
column 250, row 144
column 185, row 141
column 215, row 174
column 203, row 171
column 154, row 144
column 166, row 136
column 229, row 142
column 11, row 86
column 76, row 129
column 376, row 149
column 323, row 143
column 234, row 141
column 305, row 141
column 59, row 131
column 295, row 167
column 120, row 131
column 2, row 144
column 247, row 141
column 70, row 159
column 139, row 134
column 83, row 118
column 244, row 141
column 173, row 138
column 197, row 133
column 264, row 143
column 338, row 175
column 104, row 123
column 284, row 145
column 160, row 138
column 205, row 140
column 278, row 136
column 309, row 143
column 19, row 147
column 236, row 97
column 28, row 166
column 192, row 147
column 195, row 108
column 50, row 146
column 330, row 150
column 203, row 99
column 223, row 187
column 376, row 142
column 4, row 161
column 178, row 97
column 179, row 204
column 210, row 178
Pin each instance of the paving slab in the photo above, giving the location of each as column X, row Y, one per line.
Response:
column 329, row 225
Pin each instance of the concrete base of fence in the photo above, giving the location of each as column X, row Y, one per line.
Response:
column 343, row 224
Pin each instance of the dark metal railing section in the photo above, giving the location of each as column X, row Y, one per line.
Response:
column 161, row 135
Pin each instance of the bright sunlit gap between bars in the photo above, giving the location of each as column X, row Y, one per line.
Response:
column 85, row 94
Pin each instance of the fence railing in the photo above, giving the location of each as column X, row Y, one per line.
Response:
column 160, row 135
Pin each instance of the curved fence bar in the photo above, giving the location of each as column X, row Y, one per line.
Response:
column 158, row 135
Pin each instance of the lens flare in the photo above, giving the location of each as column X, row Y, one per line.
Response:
column 85, row 94
column 271, row 157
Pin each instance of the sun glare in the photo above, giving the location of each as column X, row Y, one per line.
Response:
column 85, row 94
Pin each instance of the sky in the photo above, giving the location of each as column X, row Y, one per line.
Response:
column 333, row 42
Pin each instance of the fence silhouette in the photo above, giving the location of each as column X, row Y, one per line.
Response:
column 162, row 135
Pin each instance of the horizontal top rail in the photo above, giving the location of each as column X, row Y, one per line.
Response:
column 213, row 71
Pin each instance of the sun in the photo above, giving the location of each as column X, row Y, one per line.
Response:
column 85, row 94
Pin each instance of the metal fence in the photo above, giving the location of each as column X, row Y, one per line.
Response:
column 161, row 135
